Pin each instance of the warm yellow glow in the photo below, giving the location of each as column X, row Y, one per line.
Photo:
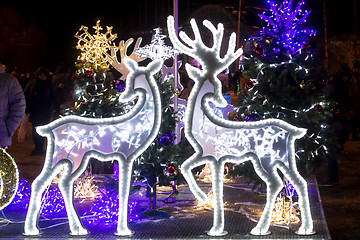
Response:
column 94, row 48
column 208, row 204
column 85, row 188
column 284, row 213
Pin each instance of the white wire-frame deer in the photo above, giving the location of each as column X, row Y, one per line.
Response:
column 268, row 144
column 73, row 140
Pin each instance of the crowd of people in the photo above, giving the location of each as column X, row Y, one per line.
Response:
column 32, row 97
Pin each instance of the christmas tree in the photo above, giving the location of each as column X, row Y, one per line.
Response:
column 96, row 91
column 158, row 165
column 284, row 83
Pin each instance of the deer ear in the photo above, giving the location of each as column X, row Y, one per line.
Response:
column 155, row 65
column 194, row 73
column 131, row 64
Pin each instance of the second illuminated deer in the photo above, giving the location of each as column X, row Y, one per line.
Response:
column 268, row 144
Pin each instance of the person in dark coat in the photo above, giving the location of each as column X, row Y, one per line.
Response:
column 12, row 106
column 41, row 99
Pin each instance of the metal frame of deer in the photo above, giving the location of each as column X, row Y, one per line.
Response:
column 268, row 144
column 73, row 140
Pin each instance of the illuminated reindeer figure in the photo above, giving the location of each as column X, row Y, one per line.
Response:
column 268, row 144
column 73, row 140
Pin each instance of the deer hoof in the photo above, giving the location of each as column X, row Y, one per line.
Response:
column 259, row 232
column 33, row 232
column 79, row 231
column 215, row 233
column 124, row 232
column 303, row 231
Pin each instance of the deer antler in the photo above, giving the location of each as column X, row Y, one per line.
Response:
column 120, row 66
column 209, row 58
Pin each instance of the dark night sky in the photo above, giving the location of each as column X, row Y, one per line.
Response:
column 58, row 21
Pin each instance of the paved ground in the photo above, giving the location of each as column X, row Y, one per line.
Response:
column 341, row 202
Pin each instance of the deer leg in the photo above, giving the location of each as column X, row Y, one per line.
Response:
column 300, row 186
column 37, row 188
column 217, row 201
column 273, row 187
column 66, row 186
column 125, row 170
column 186, row 168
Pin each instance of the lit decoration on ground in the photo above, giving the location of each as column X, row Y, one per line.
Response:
column 94, row 47
column 9, row 179
column 157, row 48
column 52, row 201
column 106, row 207
column 85, row 188
column 73, row 140
column 123, row 48
column 22, row 193
column 208, row 204
column 268, row 144
column 284, row 212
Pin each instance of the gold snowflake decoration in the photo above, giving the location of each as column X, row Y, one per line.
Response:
column 94, row 48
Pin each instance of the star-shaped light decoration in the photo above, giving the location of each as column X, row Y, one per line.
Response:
column 94, row 47
column 157, row 48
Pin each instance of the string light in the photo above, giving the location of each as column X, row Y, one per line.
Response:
column 85, row 188
column 9, row 179
column 284, row 26
column 94, row 47
column 157, row 48
column 73, row 141
column 268, row 144
column 284, row 212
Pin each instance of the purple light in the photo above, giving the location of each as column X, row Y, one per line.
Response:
column 290, row 190
column 120, row 85
column 285, row 27
column 105, row 208
column 166, row 139
column 22, row 193
column 52, row 201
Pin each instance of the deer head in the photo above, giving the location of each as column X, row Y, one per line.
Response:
column 152, row 68
column 209, row 58
column 120, row 66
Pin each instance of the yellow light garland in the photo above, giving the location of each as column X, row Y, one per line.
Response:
column 9, row 179
column 94, row 48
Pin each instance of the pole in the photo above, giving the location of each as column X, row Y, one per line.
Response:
column 238, row 34
column 176, row 66
column 325, row 38
column 355, row 29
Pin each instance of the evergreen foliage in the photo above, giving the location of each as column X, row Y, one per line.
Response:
column 95, row 95
column 163, row 155
column 286, row 84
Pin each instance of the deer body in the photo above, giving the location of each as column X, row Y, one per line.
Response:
column 268, row 144
column 73, row 140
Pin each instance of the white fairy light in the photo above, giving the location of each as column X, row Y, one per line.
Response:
column 268, row 144
column 73, row 140
column 157, row 48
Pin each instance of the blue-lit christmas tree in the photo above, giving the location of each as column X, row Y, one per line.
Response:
column 286, row 33
column 285, row 81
